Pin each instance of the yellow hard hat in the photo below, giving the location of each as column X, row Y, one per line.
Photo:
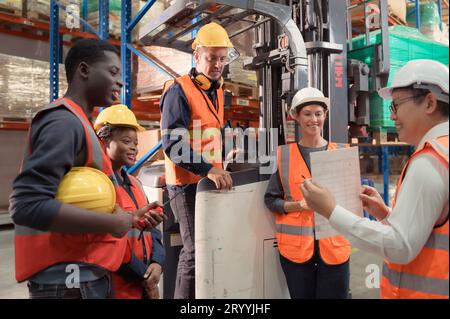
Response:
column 117, row 115
column 212, row 35
column 87, row 188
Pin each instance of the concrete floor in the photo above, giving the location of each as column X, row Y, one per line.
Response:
column 10, row 289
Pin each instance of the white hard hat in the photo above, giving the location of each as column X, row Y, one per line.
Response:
column 422, row 74
column 308, row 95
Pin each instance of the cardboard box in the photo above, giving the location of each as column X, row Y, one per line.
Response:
column 147, row 140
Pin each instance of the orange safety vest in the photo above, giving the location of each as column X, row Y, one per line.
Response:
column 204, row 128
column 37, row 250
column 426, row 276
column 295, row 230
column 122, row 288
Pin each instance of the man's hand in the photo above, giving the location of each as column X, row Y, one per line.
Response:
column 221, row 178
column 153, row 275
column 124, row 222
column 373, row 203
column 318, row 198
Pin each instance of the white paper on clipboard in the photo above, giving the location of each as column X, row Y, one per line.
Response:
column 339, row 171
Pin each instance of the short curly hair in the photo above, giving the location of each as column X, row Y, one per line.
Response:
column 107, row 132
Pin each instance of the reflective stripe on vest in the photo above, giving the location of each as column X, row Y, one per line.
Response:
column 37, row 250
column 295, row 230
column 427, row 276
column 122, row 288
column 205, row 138
column 415, row 282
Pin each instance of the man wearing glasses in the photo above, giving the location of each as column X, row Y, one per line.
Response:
column 191, row 122
column 413, row 236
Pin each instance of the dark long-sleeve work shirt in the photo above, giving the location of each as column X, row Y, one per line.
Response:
column 176, row 114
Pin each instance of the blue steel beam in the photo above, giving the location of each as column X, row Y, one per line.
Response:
column 125, row 53
column 126, row 49
column 84, row 14
column 144, row 159
column 139, row 15
column 417, row 14
column 104, row 19
column 149, row 61
column 54, row 50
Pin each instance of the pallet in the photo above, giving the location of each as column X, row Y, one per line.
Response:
column 12, row 118
column 4, row 8
column 14, row 123
column 37, row 16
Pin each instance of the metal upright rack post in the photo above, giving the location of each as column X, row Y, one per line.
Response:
column 103, row 19
column 127, row 26
column 54, row 50
column 56, row 43
column 125, row 54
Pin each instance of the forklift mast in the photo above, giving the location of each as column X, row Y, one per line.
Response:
column 322, row 25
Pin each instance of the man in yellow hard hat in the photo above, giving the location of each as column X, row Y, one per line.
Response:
column 192, row 117
column 62, row 249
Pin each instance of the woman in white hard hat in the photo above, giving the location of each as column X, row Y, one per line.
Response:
column 413, row 236
column 313, row 268
column 117, row 128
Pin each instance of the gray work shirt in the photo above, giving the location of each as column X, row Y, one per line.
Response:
column 57, row 141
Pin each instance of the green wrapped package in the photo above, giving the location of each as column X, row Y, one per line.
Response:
column 429, row 14
column 114, row 5
column 405, row 44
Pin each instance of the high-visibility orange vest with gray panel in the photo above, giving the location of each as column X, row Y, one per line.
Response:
column 140, row 246
column 204, row 128
column 37, row 250
column 426, row 277
column 295, row 230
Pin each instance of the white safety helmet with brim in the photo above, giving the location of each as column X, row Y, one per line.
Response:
column 308, row 96
column 421, row 74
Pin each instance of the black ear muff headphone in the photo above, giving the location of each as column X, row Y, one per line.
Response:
column 203, row 82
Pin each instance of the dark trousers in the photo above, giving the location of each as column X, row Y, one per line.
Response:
column 316, row 280
column 183, row 207
column 97, row 289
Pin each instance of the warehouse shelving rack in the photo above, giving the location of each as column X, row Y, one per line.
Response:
column 52, row 32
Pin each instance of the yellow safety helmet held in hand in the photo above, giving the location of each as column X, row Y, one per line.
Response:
column 117, row 115
column 213, row 35
column 87, row 188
